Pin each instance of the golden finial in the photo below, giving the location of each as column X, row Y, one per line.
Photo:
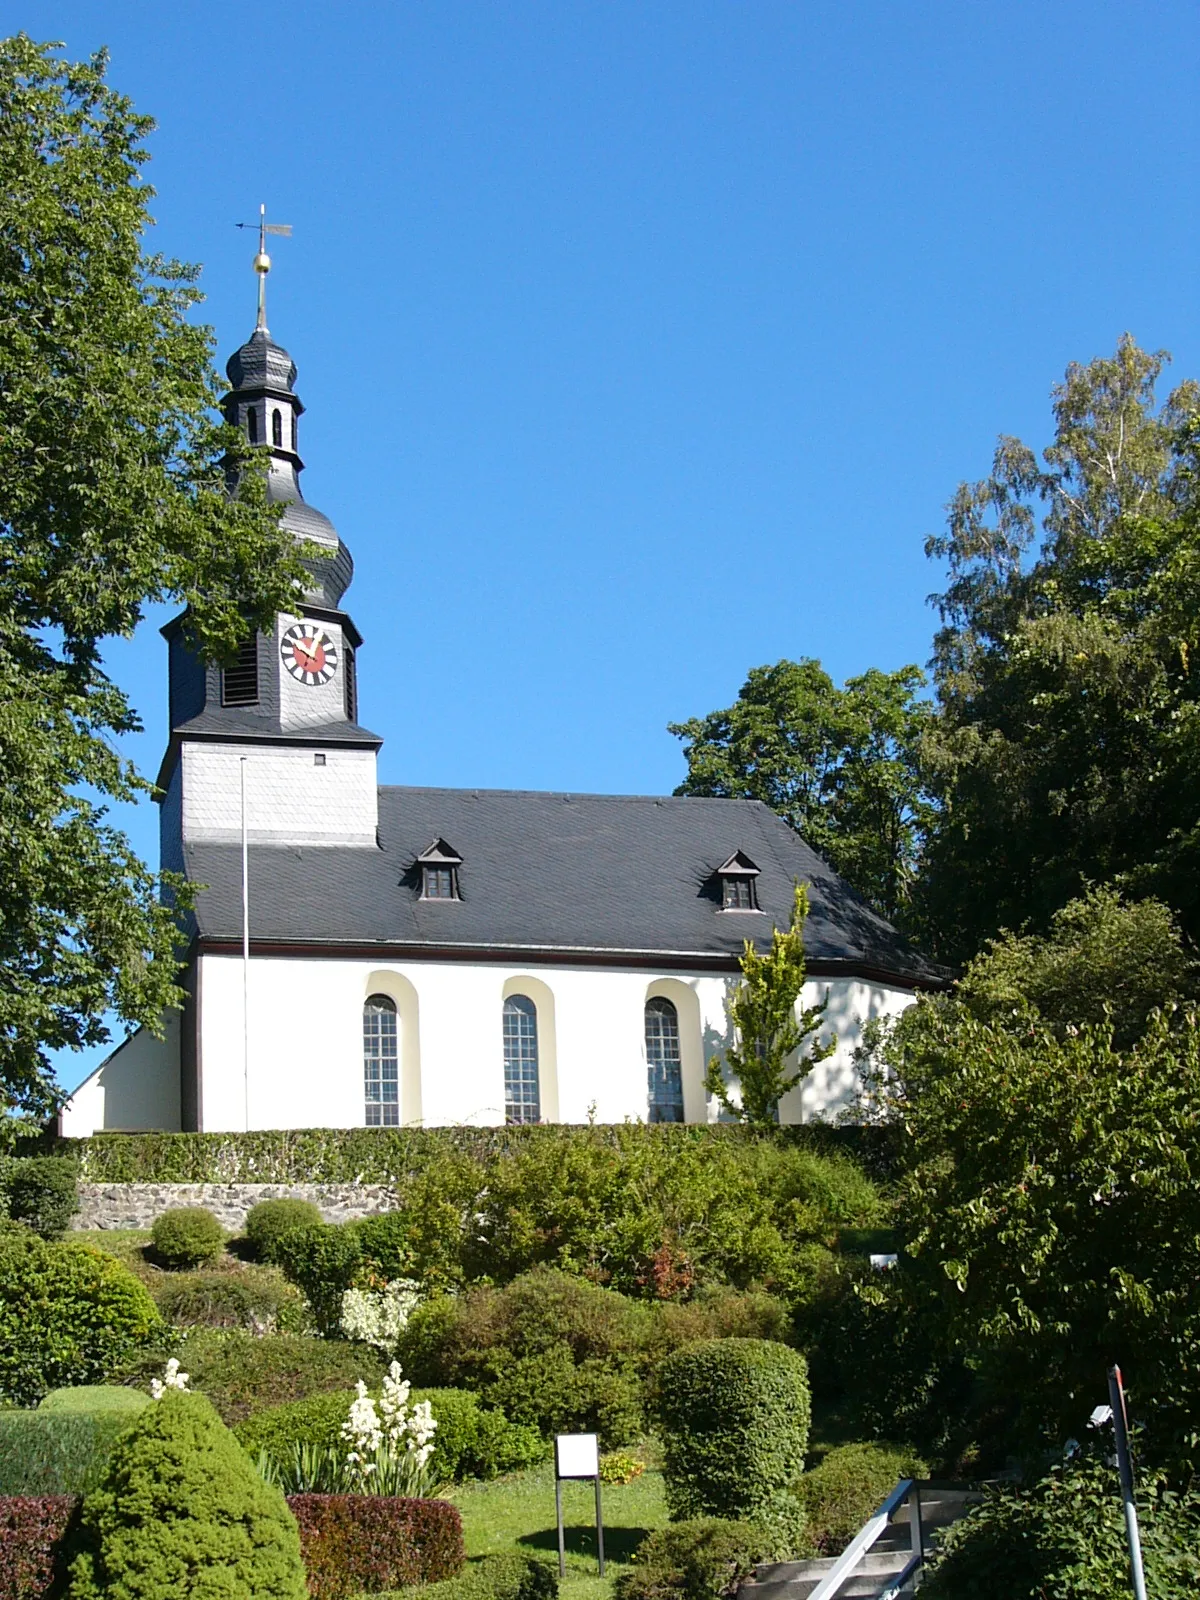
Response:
column 262, row 261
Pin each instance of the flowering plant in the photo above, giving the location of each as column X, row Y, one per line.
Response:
column 378, row 1317
column 389, row 1448
column 172, row 1378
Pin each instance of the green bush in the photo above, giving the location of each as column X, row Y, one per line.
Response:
column 498, row 1577
column 386, row 1242
column 1065, row 1536
column 549, row 1350
column 68, row 1315
column 95, row 1399
column 184, row 1236
column 255, row 1298
column 269, row 1220
column 734, row 1416
column 315, row 1421
column 182, row 1510
column 242, row 1374
column 42, row 1192
column 651, row 1210
column 471, row 1441
column 701, row 1559
column 323, row 1261
column 57, row 1452
column 851, row 1482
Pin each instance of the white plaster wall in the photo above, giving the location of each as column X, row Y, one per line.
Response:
column 289, row 799
column 305, row 1022
column 134, row 1089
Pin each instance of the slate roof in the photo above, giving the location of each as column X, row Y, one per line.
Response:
column 603, row 877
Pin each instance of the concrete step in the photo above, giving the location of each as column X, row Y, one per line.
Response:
column 795, row 1580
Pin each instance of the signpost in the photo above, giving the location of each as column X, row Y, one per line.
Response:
column 1116, row 1394
column 577, row 1455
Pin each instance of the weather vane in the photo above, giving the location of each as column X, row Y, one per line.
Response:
column 262, row 261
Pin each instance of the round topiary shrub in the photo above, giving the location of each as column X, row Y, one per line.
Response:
column 95, row 1399
column 185, row 1236
column 43, row 1194
column 180, row 1511
column 68, row 1315
column 850, row 1484
column 269, row 1220
column 734, row 1417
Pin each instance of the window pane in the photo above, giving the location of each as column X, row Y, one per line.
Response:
column 663, row 1062
column 381, row 1062
column 522, row 1099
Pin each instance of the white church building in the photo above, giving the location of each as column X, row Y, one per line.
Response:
column 443, row 956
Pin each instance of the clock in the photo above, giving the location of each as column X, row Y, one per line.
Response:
column 309, row 654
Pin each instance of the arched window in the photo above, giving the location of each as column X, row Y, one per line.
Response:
column 522, row 1100
column 252, row 425
column 276, row 428
column 381, row 1062
column 663, row 1062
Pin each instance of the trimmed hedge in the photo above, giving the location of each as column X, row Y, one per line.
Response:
column 182, row 1510
column 851, row 1482
column 242, row 1374
column 269, row 1220
column 355, row 1542
column 95, row 1399
column 68, row 1315
column 701, row 1559
column 32, row 1531
column 184, row 1236
column 51, row 1453
column 734, row 1417
column 254, row 1298
column 42, row 1192
column 498, row 1577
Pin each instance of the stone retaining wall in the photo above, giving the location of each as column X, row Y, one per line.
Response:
column 135, row 1205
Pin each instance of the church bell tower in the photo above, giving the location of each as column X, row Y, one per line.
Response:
column 284, row 715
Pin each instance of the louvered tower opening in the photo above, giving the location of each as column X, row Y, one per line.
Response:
column 239, row 682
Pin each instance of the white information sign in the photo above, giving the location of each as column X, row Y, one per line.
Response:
column 576, row 1455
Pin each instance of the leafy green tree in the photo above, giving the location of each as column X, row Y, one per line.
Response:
column 840, row 765
column 1050, row 1202
column 114, row 492
column 1066, row 746
column 764, row 1057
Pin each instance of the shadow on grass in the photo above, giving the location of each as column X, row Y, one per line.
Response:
column 619, row 1543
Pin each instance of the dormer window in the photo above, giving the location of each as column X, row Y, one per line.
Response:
column 737, row 878
column 439, row 871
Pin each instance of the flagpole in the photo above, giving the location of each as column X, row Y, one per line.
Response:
column 245, row 956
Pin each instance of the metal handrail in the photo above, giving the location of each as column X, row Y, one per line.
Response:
column 865, row 1538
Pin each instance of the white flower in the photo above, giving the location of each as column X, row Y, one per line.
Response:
column 172, row 1378
column 379, row 1318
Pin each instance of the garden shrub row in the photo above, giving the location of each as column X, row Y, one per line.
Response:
column 368, row 1542
column 242, row 1374
column 562, row 1355
column 240, row 1296
column 654, row 1211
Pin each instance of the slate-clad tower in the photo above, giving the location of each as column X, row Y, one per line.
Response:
column 289, row 704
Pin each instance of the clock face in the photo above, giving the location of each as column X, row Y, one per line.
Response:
column 309, row 654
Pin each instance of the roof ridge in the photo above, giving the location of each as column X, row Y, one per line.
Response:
column 569, row 794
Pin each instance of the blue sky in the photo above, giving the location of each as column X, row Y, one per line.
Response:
column 642, row 343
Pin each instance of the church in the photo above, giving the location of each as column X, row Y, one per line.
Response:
column 382, row 956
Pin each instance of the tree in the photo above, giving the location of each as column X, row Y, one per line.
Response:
column 767, row 1032
column 1050, row 1197
column 114, row 492
column 1066, row 745
column 840, row 765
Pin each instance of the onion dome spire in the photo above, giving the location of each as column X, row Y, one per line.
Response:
column 262, row 404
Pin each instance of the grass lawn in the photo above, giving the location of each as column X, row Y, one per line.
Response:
column 517, row 1513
